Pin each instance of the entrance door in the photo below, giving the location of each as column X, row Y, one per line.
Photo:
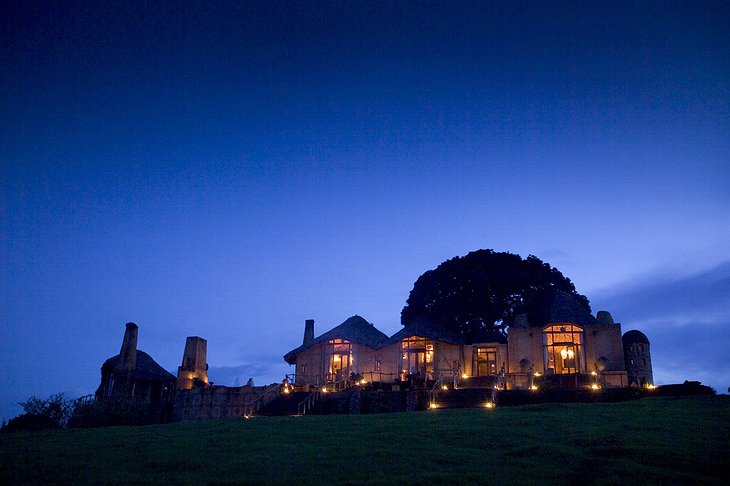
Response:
column 338, row 363
column 486, row 361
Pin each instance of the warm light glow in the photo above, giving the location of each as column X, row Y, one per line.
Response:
column 286, row 390
column 595, row 386
column 433, row 405
column 537, row 374
column 444, row 387
column 489, row 405
column 593, row 373
column 465, row 376
column 564, row 353
column 363, row 382
column 533, row 388
column 324, row 389
column 650, row 387
column 571, row 354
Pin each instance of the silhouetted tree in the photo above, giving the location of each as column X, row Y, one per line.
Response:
column 486, row 290
column 52, row 413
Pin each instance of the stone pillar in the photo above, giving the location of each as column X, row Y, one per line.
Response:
column 194, row 365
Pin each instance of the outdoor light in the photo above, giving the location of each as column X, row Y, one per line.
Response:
column 593, row 373
column 650, row 387
column 533, row 388
column 595, row 386
column 444, row 387
column 489, row 405
column 432, row 405
column 537, row 374
column 465, row 376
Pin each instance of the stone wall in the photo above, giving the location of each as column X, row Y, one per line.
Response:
column 208, row 402
column 604, row 349
column 525, row 344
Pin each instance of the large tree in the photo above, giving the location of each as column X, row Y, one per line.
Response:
column 485, row 290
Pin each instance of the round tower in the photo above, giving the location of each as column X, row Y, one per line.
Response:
column 638, row 358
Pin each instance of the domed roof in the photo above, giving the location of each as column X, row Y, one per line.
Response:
column 566, row 308
column 631, row 337
column 604, row 317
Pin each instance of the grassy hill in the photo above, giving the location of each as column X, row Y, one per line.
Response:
column 653, row 440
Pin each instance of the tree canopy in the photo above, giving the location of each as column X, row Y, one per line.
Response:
column 485, row 290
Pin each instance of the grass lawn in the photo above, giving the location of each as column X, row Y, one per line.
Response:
column 653, row 440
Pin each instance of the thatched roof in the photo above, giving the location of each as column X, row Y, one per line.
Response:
column 145, row 369
column 427, row 329
column 355, row 329
column 565, row 308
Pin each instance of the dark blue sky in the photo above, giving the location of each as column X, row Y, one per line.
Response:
column 229, row 170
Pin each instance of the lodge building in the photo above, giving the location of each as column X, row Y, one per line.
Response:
column 572, row 349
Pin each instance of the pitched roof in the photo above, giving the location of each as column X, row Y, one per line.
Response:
column 427, row 329
column 145, row 368
column 566, row 308
column 355, row 329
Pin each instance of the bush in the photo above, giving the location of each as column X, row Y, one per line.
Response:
column 100, row 413
column 52, row 413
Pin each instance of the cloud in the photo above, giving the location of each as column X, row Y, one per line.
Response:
column 687, row 320
column 263, row 371
column 663, row 298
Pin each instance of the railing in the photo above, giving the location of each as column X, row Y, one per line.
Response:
column 85, row 399
column 433, row 393
column 340, row 385
column 254, row 405
column 369, row 376
column 306, row 405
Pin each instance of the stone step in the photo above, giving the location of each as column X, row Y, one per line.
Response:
column 464, row 398
column 478, row 382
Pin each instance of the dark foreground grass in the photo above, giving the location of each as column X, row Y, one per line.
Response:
column 662, row 440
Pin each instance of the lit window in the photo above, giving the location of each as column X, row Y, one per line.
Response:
column 418, row 355
column 563, row 349
column 339, row 359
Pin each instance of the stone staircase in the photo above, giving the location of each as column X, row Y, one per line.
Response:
column 481, row 382
column 284, row 404
column 464, row 398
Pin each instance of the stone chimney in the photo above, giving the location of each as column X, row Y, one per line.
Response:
column 128, row 353
column 308, row 331
column 194, row 363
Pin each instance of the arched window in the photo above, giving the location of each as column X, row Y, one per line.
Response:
column 562, row 346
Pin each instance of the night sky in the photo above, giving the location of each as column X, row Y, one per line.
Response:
column 229, row 170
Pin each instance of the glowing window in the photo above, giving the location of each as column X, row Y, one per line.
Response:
column 418, row 355
column 339, row 359
column 563, row 349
